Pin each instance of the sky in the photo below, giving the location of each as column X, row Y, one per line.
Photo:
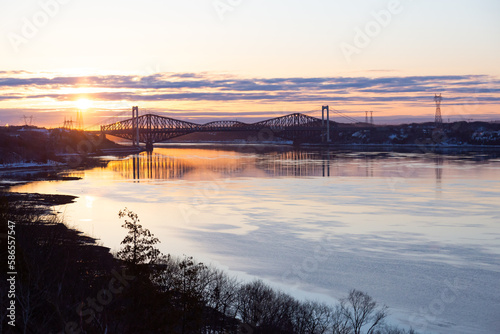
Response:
column 204, row 60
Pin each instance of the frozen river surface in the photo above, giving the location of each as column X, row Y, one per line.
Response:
column 418, row 232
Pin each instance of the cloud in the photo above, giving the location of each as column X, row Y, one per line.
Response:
column 457, row 89
column 10, row 97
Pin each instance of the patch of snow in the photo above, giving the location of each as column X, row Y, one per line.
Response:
column 49, row 163
column 359, row 134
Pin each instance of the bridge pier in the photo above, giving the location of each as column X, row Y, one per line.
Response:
column 149, row 146
column 135, row 126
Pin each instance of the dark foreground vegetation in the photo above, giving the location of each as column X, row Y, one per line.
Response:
column 66, row 283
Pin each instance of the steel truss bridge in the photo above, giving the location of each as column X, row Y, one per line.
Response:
column 150, row 129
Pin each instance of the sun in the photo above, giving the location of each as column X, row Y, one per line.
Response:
column 83, row 104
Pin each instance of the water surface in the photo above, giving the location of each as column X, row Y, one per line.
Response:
column 418, row 232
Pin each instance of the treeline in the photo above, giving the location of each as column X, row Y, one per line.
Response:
column 420, row 134
column 66, row 283
column 30, row 144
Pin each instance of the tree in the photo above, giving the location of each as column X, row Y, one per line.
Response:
column 360, row 310
column 312, row 317
column 142, row 258
column 139, row 243
column 255, row 301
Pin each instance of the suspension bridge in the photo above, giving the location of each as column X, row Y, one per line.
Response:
column 150, row 129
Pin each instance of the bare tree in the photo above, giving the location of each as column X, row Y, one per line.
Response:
column 254, row 303
column 340, row 324
column 222, row 292
column 311, row 317
column 361, row 311
column 320, row 317
column 394, row 330
column 221, row 300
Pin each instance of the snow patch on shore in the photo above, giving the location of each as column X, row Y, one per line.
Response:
column 49, row 163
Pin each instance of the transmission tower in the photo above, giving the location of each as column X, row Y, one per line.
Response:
column 28, row 121
column 369, row 117
column 68, row 124
column 438, row 99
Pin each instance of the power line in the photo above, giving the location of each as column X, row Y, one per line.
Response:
column 111, row 119
column 351, row 119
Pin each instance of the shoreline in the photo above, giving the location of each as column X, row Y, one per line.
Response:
column 24, row 175
column 330, row 145
column 411, row 146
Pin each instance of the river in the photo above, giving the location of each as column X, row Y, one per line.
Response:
column 419, row 232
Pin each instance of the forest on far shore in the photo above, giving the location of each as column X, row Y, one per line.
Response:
column 39, row 145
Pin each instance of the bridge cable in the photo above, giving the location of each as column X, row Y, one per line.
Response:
column 111, row 119
column 351, row 119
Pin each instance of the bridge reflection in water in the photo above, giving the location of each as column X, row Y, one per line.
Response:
column 201, row 164
column 181, row 163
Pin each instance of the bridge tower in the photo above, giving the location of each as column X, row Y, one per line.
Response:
column 438, row 119
column 323, row 108
column 149, row 134
column 135, row 126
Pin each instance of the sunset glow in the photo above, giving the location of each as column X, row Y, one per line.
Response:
column 201, row 61
column 83, row 104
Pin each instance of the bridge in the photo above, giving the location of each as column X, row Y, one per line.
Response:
column 150, row 129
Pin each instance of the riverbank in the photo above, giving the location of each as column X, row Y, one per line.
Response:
column 24, row 147
column 10, row 177
column 410, row 148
